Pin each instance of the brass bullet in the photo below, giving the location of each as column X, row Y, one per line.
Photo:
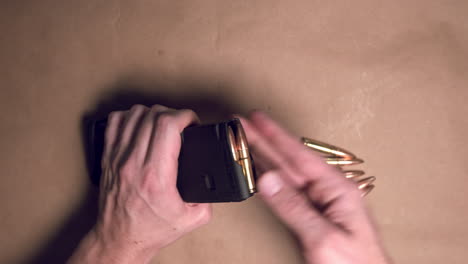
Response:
column 367, row 190
column 242, row 145
column 233, row 144
column 350, row 174
column 244, row 157
column 327, row 148
column 343, row 162
column 365, row 182
column 339, row 157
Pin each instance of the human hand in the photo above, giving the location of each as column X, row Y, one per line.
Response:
column 140, row 209
column 324, row 209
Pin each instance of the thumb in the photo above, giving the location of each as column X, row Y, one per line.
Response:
column 292, row 206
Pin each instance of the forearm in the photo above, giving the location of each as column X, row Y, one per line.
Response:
column 94, row 249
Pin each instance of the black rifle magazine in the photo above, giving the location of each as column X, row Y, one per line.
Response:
column 208, row 172
column 207, row 169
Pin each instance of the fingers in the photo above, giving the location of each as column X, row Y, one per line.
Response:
column 146, row 130
column 337, row 198
column 294, row 154
column 266, row 156
column 114, row 123
column 165, row 138
column 131, row 121
column 165, row 142
column 341, row 203
column 286, row 151
column 148, row 136
column 291, row 206
column 185, row 118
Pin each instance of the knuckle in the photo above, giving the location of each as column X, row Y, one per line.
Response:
column 188, row 112
column 164, row 120
column 114, row 116
column 137, row 108
column 192, row 115
column 157, row 108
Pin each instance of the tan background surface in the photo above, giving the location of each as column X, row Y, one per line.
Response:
column 386, row 79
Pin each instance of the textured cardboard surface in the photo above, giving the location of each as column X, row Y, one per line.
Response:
column 385, row 79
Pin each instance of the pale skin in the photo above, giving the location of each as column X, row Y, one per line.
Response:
column 141, row 211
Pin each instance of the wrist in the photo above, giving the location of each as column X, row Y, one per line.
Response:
column 96, row 248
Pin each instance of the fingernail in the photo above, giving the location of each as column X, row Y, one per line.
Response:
column 271, row 183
